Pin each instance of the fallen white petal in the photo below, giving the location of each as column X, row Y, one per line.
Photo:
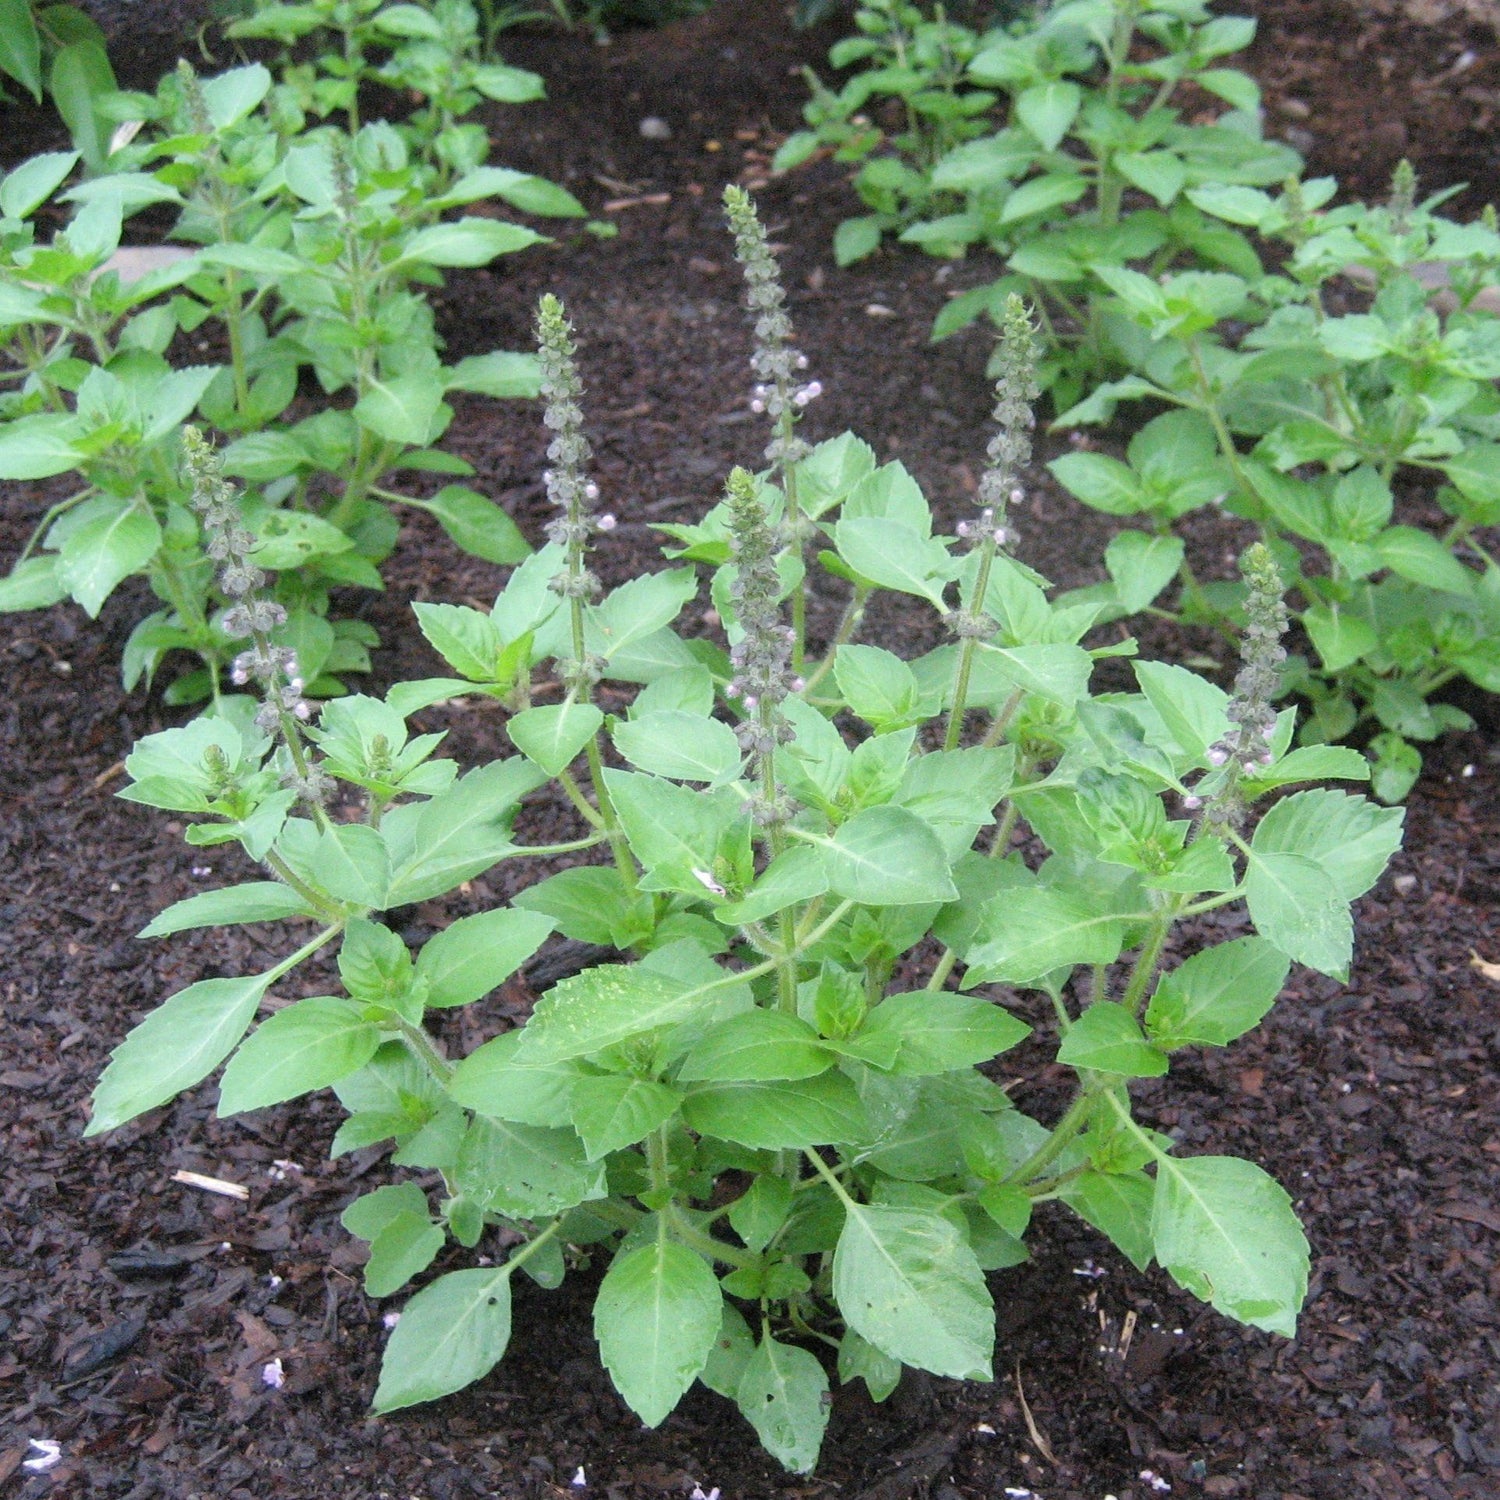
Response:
column 48, row 1455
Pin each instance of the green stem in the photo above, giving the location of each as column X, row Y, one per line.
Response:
column 966, row 650
column 571, row 847
column 48, row 517
column 1147, row 960
column 829, row 1178
column 575, row 796
column 424, row 1049
column 307, row 950
column 657, row 1163
column 1001, row 722
column 619, row 847
column 942, row 969
column 1111, row 186
column 285, row 873
column 530, row 1248
column 1063, row 1133
column 689, row 1234
column 849, row 623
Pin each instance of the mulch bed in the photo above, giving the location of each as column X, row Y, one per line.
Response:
column 136, row 1313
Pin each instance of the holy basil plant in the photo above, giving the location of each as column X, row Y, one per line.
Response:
column 776, row 1113
column 306, row 258
column 1308, row 419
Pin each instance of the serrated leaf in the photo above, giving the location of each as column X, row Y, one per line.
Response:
column 656, row 1318
column 1048, row 109
column 778, row 1115
column 525, row 1171
column 615, row 1111
column 254, row 901
column 1225, row 1232
column 1107, row 1039
column 887, row 856
column 404, row 1247
column 1349, row 836
column 478, row 525
column 783, row 1395
column 861, row 1360
column 493, row 1081
column 178, row 1045
column 602, row 1006
column 1295, row 904
column 120, row 540
column 467, row 242
column 1117, row 1204
column 473, row 955
column 909, row 1283
column 310, row 1044
column 679, row 745
column 1026, row 933
column 553, row 736
column 1216, row 995
column 451, row 1334
column 756, row 1044
column 940, row 1032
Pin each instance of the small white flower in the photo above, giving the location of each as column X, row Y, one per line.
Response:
column 579, row 1480
column 48, row 1455
column 590, row 490
column 1155, row 1481
column 698, row 1494
column 202, row 872
column 606, row 522
column 391, row 1319
column 273, row 1375
column 273, row 1281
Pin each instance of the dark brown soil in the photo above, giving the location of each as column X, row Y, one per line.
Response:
column 1375, row 1103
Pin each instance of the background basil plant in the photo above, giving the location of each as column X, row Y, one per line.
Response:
column 768, row 1114
column 304, row 262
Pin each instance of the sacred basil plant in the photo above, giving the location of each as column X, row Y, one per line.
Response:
column 827, row 873
column 1319, row 356
column 303, row 259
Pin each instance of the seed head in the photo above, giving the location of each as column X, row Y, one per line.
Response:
column 1403, row 198
column 1016, row 388
column 1247, row 747
column 776, row 363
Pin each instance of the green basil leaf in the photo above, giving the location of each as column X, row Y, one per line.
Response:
column 909, row 1283
column 1225, row 1232
column 657, row 1317
column 451, row 1334
column 308, row 1045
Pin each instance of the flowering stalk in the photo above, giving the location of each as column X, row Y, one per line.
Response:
column 1247, row 747
column 1009, row 451
column 575, row 495
column 763, row 677
column 251, row 616
column 780, row 392
column 762, row 656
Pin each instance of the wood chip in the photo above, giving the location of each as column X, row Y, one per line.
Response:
column 1485, row 967
column 213, row 1185
column 1471, row 1213
column 654, row 200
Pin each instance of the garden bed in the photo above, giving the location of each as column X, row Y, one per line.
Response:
column 137, row 1312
